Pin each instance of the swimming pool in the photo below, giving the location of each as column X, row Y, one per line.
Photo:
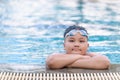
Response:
column 32, row 30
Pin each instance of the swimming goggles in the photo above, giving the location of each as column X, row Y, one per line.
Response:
column 74, row 31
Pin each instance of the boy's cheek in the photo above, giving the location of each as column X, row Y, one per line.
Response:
column 68, row 48
column 67, row 45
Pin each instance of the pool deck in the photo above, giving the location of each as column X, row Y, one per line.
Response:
column 43, row 69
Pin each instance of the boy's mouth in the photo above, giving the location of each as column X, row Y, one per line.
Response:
column 76, row 49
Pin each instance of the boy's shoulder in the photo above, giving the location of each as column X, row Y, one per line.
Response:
column 93, row 54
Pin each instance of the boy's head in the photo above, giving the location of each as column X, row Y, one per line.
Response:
column 72, row 30
column 76, row 40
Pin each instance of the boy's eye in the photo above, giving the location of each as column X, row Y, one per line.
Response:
column 82, row 41
column 71, row 40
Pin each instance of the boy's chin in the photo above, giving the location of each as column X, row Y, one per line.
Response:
column 76, row 52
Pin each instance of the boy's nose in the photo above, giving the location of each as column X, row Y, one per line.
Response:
column 76, row 44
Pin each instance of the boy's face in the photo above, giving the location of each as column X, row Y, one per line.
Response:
column 76, row 44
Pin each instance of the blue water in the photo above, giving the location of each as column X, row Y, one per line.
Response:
column 30, row 30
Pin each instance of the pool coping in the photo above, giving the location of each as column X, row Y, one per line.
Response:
column 112, row 68
column 43, row 69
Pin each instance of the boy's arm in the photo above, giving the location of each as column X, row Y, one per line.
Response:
column 57, row 61
column 94, row 62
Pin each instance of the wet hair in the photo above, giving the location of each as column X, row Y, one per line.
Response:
column 77, row 27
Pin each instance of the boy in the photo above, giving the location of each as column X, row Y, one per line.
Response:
column 76, row 56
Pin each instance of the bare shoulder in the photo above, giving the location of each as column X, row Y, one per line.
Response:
column 99, row 57
column 94, row 54
column 53, row 56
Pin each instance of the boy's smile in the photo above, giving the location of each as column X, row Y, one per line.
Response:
column 76, row 51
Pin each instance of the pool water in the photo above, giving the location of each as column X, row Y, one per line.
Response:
column 30, row 30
